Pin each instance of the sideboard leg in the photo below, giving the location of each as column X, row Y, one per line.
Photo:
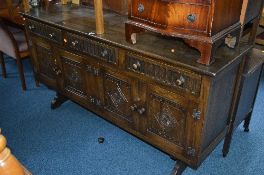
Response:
column 179, row 168
column 58, row 100
column 247, row 122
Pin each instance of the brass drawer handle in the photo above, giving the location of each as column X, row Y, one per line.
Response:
column 141, row 8
column 191, row 18
column 180, row 81
column 136, row 65
column 74, row 43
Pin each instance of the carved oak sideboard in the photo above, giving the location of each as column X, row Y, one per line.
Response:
column 155, row 91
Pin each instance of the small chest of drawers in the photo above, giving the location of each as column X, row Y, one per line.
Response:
column 199, row 23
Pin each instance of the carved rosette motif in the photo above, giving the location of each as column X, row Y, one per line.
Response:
column 74, row 81
column 165, row 119
column 169, row 121
column 117, row 96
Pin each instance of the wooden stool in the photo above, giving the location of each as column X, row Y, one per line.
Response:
column 9, row 165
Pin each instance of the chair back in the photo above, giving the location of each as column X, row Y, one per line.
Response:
column 7, row 42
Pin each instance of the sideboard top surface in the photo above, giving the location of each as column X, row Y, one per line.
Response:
column 81, row 20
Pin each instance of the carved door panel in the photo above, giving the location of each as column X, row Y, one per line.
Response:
column 118, row 93
column 81, row 78
column 169, row 120
column 44, row 63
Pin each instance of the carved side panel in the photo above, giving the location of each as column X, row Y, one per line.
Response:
column 73, row 76
column 166, row 119
column 118, row 96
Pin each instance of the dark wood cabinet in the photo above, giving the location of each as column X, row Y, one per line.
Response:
column 155, row 91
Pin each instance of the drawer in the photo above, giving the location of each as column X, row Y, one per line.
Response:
column 45, row 31
column 90, row 47
column 171, row 14
column 167, row 75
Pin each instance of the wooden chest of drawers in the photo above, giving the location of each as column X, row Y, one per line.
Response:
column 162, row 97
column 202, row 24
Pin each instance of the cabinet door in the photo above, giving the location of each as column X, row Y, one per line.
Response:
column 118, row 98
column 169, row 121
column 80, row 78
column 44, row 62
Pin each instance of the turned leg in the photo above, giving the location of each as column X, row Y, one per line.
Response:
column 131, row 32
column 247, row 122
column 179, row 168
column 206, row 50
column 58, row 101
column 2, row 62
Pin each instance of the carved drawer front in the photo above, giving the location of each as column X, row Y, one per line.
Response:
column 168, row 13
column 45, row 31
column 90, row 47
column 169, row 119
column 164, row 74
column 45, row 64
column 118, row 97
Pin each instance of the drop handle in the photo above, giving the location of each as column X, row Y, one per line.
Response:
column 136, row 65
column 133, row 107
column 141, row 110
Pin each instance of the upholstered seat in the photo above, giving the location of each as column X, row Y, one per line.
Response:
column 21, row 40
column 14, row 44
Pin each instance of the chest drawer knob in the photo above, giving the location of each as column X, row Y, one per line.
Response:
column 136, row 65
column 141, row 8
column 141, row 110
column 180, row 81
column 191, row 18
column 74, row 43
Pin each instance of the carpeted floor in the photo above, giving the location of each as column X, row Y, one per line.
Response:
column 64, row 141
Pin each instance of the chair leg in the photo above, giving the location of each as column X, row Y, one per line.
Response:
column 2, row 62
column 21, row 73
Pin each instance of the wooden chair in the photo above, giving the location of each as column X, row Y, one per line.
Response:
column 14, row 44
